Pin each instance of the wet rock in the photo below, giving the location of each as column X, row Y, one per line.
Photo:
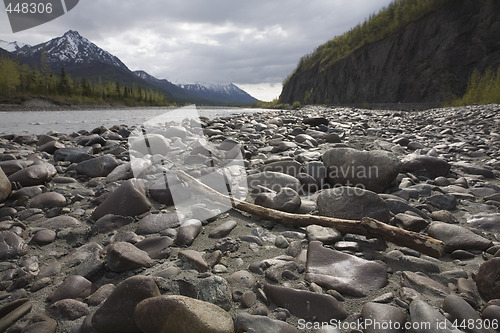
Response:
column 127, row 200
column 154, row 223
column 383, row 313
column 37, row 174
column 223, row 230
column 457, row 237
column 306, row 304
column 251, row 323
column 111, row 222
column 40, row 323
column 11, row 245
column 48, row 200
column 485, row 221
column 374, row 170
column 421, row 312
column 172, row 314
column 188, row 231
column 286, row 200
column 73, row 287
column 5, row 186
column 488, row 279
column 116, row 314
column 424, row 165
column 157, row 247
column 352, row 203
column 272, row 180
column 345, row 273
column 121, row 257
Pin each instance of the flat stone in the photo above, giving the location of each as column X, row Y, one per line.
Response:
column 116, row 314
column 174, row 314
column 111, row 222
column 474, row 169
column 40, row 323
column 155, row 223
column 352, row 203
column 484, row 221
column 74, row 287
column 59, row 222
column 410, row 222
column 424, row 165
column 345, row 273
column 457, row 237
column 324, row 235
column 373, row 170
column 188, row 231
column 127, row 200
column 71, row 154
column 488, row 279
column 421, row 312
column 306, row 304
column 423, row 284
column 121, row 257
column 461, row 311
column 71, row 309
column 223, row 230
column 442, row 201
column 156, row 247
column 195, row 259
column 250, row 323
column 286, row 200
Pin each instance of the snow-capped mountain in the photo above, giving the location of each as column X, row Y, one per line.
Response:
column 11, row 46
column 71, row 49
column 228, row 92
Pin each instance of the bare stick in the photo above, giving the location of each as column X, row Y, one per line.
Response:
column 368, row 227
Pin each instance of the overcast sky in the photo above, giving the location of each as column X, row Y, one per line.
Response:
column 255, row 44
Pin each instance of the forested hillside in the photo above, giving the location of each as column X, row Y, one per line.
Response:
column 413, row 51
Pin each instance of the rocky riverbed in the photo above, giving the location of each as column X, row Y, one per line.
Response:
column 91, row 240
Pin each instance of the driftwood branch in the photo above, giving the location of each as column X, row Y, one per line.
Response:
column 368, row 227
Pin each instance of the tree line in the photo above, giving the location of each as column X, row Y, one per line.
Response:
column 482, row 88
column 20, row 81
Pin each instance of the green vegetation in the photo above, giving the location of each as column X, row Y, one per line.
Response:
column 482, row 88
column 20, row 82
column 274, row 104
column 378, row 26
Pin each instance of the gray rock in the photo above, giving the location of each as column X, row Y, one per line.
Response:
column 473, row 169
column 375, row 313
column 442, row 201
column 12, row 166
column 11, row 245
column 324, row 235
column 488, row 222
column 51, row 147
column 154, row 223
column 272, row 180
column 188, row 231
column 215, row 290
column 373, row 170
column 116, row 314
column 174, row 314
column 223, row 230
column 40, row 323
column 289, row 167
column 457, row 237
column 488, row 279
column 111, row 222
column 410, row 222
column 5, row 186
column 150, row 143
column 121, row 257
column 72, row 154
column 195, row 259
column 127, row 200
column 71, row 309
column 462, row 312
column 101, row 294
column 423, row 284
column 306, row 304
column 37, row 174
column 97, row 167
column 73, row 287
column 48, row 200
column 44, row 237
column 399, row 262
column 250, row 323
column 435, row 322
column 156, row 247
column 345, row 273
column 242, row 280
column 424, row 165
column 286, row 200
column 59, row 222
column 352, row 203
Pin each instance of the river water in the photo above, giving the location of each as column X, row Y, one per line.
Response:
column 42, row 122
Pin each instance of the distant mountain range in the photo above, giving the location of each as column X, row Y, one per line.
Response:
column 81, row 58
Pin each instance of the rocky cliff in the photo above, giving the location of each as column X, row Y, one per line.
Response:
column 427, row 61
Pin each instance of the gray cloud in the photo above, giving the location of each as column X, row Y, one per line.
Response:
column 246, row 42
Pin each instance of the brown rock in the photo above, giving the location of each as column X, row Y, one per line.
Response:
column 488, row 279
column 122, row 256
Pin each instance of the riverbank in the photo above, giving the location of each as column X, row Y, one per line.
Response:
column 92, row 241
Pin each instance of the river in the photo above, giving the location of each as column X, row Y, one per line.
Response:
column 42, row 122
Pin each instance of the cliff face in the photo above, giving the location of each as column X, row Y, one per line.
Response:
column 428, row 61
